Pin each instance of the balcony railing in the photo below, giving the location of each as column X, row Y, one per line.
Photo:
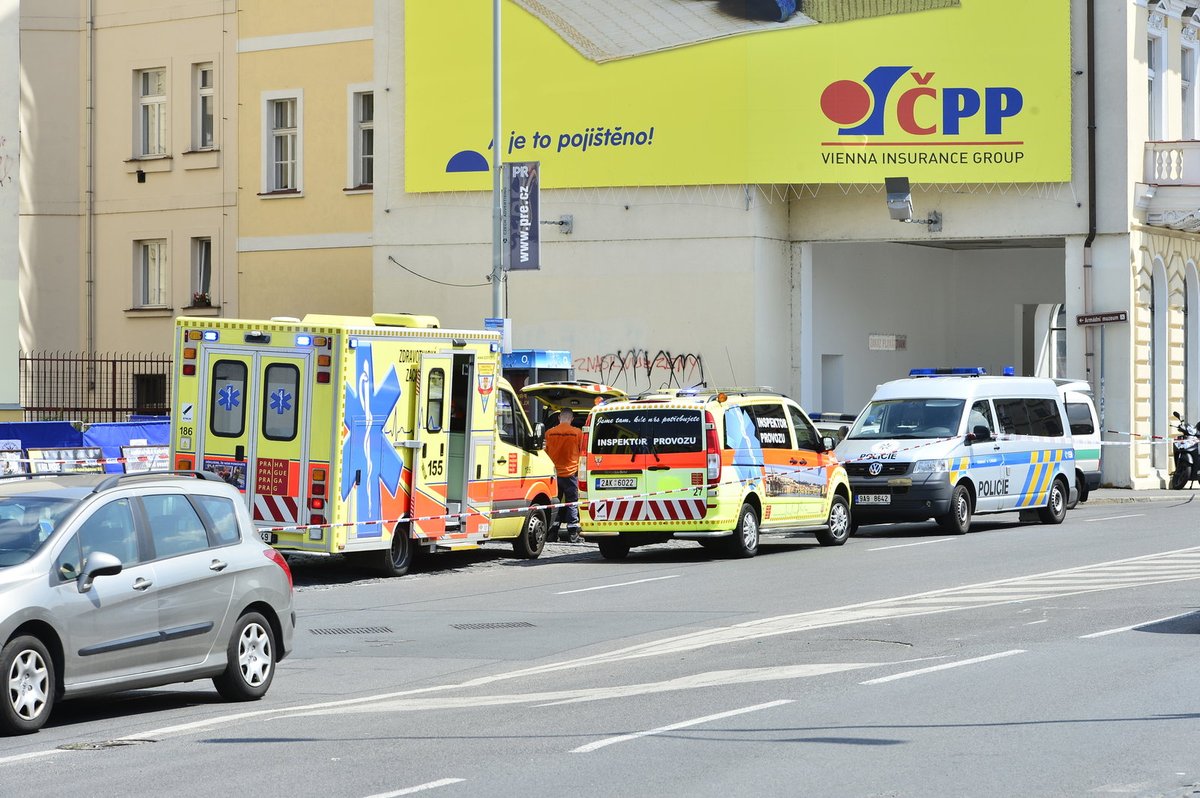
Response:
column 1172, row 163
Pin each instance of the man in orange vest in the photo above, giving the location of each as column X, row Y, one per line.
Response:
column 563, row 444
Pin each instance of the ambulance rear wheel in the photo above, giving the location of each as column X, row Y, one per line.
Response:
column 958, row 520
column 838, row 530
column 613, row 548
column 1056, row 508
column 529, row 544
column 395, row 560
column 744, row 541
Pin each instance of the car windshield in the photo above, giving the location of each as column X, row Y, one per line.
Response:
column 909, row 418
column 26, row 522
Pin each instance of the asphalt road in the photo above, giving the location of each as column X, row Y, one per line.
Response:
column 1019, row 660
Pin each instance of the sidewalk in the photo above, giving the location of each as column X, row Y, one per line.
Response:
column 1125, row 495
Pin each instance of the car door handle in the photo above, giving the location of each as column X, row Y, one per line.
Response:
column 501, row 460
column 218, row 565
column 141, row 583
column 659, row 468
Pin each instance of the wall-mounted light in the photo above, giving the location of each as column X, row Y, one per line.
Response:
column 900, row 207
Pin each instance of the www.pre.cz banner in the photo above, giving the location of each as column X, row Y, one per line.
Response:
column 946, row 91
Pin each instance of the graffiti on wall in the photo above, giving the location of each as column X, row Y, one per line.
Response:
column 642, row 369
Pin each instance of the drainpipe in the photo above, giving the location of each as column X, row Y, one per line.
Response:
column 1097, row 380
column 89, row 235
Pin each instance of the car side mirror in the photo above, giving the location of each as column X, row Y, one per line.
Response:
column 828, row 443
column 539, row 436
column 98, row 563
column 981, row 433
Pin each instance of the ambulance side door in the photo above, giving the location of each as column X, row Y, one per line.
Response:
column 429, row 468
column 810, row 467
column 782, row 501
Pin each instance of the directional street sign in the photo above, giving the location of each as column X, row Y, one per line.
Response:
column 1101, row 318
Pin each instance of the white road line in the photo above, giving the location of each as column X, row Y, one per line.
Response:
column 619, row 584
column 1113, row 517
column 31, row 755
column 584, row 749
column 943, row 667
column 433, row 785
column 1033, row 623
column 903, row 545
column 1134, row 626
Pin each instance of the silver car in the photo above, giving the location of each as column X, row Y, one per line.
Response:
column 116, row 582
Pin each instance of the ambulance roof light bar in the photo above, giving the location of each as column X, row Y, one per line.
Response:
column 962, row 371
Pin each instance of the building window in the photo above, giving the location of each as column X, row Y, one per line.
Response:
column 283, row 147
column 150, row 273
column 1187, row 79
column 364, row 139
column 1154, row 87
column 203, row 107
column 1058, row 342
column 150, row 394
column 202, row 296
column 152, row 112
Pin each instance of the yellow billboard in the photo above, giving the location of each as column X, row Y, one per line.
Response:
column 686, row 92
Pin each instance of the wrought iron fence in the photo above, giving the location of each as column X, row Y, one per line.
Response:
column 67, row 386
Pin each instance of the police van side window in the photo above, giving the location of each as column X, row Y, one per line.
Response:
column 1044, row 418
column 771, row 426
column 1012, row 416
column 981, row 416
column 1079, row 415
column 806, row 435
column 227, row 404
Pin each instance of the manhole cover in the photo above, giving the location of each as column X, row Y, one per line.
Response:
column 500, row 625
column 104, row 744
column 352, row 630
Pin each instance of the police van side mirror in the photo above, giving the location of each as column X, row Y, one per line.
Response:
column 979, row 434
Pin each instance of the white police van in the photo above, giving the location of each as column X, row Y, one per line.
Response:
column 949, row 443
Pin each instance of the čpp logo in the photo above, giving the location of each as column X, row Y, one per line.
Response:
column 862, row 109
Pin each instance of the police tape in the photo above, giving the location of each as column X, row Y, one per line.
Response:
column 674, row 492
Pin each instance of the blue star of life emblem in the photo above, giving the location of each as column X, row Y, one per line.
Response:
column 229, row 397
column 281, row 401
column 369, row 461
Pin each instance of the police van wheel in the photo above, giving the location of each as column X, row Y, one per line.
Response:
column 1056, row 508
column 958, row 520
column 613, row 548
column 531, row 541
column 744, row 541
column 394, row 560
column 839, row 523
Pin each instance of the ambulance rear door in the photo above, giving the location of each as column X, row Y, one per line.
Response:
column 255, row 416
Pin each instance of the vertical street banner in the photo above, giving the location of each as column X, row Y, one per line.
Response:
column 522, row 200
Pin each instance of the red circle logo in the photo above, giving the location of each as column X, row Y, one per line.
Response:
column 845, row 102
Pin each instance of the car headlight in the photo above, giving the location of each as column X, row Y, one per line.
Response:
column 930, row 467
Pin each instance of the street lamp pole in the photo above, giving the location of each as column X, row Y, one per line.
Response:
column 497, row 188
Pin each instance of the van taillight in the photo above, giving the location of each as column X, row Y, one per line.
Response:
column 713, row 448
column 583, row 456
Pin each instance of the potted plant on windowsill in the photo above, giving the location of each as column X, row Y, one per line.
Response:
column 201, row 299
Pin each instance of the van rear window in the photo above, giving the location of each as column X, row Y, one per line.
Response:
column 647, row 431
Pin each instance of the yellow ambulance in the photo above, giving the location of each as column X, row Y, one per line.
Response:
column 366, row 436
